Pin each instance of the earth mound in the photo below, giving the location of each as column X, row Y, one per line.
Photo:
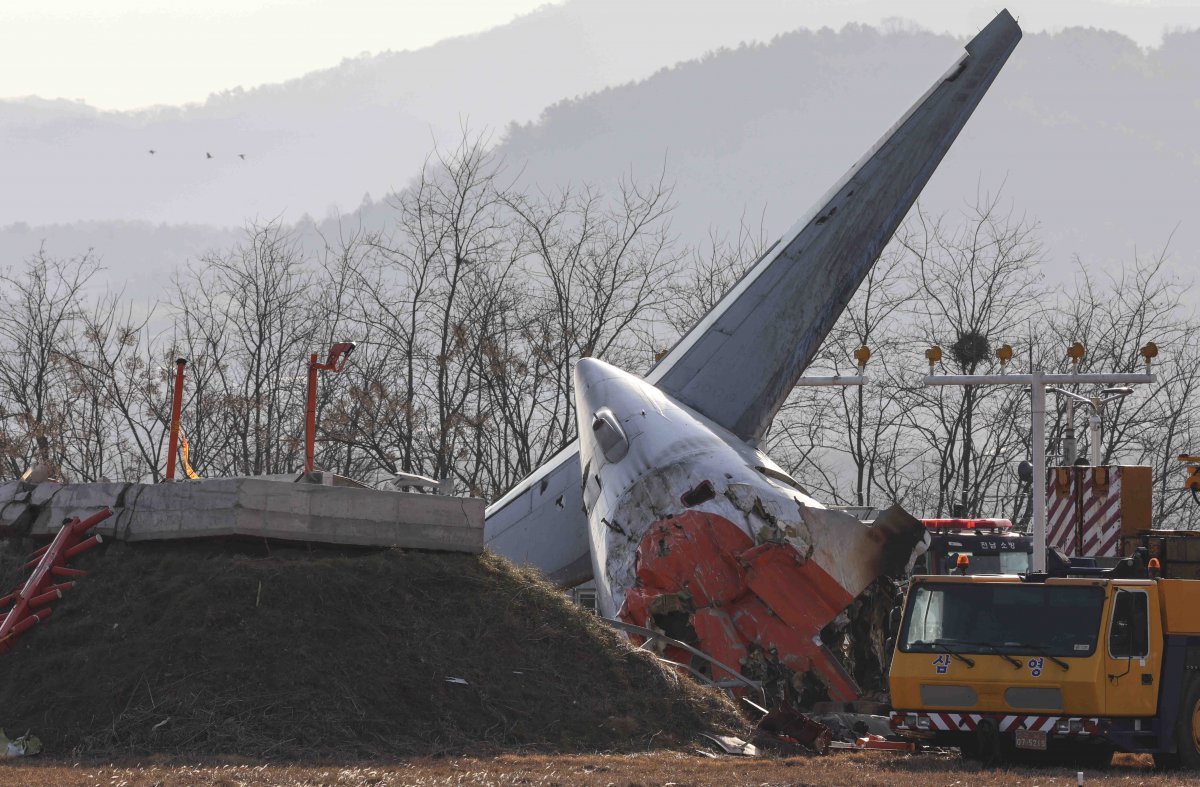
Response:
column 305, row 653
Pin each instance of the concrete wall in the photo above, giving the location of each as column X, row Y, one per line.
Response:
column 253, row 507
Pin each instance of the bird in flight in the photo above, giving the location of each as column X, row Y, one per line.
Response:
column 152, row 152
column 207, row 155
column 242, row 156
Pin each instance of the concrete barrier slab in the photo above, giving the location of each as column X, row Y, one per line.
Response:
column 267, row 508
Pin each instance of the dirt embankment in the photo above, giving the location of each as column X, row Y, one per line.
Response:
column 287, row 653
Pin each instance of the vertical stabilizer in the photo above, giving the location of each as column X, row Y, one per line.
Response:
column 740, row 362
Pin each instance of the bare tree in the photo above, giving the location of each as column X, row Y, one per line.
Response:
column 246, row 322
column 601, row 275
column 1114, row 316
column 471, row 309
column 120, row 393
column 41, row 308
column 979, row 286
column 712, row 269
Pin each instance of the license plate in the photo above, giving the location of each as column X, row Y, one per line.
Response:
column 1031, row 739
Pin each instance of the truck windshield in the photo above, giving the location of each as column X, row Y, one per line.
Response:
column 1002, row 563
column 989, row 617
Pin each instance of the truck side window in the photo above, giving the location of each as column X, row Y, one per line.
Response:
column 1129, row 636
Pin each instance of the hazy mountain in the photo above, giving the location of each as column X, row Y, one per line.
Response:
column 364, row 126
column 1084, row 131
column 1089, row 132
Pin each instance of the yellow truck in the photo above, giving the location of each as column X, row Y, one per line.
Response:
column 1078, row 666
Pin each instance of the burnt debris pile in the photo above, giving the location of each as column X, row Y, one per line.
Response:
column 236, row 649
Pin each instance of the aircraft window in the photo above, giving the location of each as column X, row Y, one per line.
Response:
column 609, row 435
column 782, row 478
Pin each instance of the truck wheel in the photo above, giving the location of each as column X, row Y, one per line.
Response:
column 1187, row 727
column 1166, row 761
column 1096, row 757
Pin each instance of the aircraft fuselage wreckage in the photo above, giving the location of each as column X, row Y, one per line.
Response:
column 666, row 502
column 699, row 535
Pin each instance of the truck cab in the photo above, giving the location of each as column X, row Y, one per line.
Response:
column 1079, row 665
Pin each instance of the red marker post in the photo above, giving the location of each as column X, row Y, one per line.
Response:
column 176, row 409
column 336, row 361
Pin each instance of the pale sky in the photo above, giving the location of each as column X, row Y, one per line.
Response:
column 124, row 54
column 127, row 54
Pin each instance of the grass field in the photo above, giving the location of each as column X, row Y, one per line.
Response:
column 657, row 768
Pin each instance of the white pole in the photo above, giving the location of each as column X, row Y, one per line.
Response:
column 1094, row 422
column 842, row 379
column 1039, row 472
column 1069, row 439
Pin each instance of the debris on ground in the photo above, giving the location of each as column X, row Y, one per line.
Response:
column 731, row 744
column 849, row 727
column 789, row 727
column 24, row 746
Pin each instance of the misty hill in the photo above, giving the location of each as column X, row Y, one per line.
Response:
column 364, row 126
column 330, row 136
column 1087, row 131
column 1083, row 130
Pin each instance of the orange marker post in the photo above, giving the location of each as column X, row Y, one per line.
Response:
column 310, row 416
column 336, row 361
column 176, row 409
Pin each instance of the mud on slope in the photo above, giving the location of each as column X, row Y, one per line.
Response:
column 222, row 649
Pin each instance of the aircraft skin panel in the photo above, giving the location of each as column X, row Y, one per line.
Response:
column 543, row 523
column 740, row 361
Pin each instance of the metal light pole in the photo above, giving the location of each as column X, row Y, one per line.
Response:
column 861, row 356
column 1069, row 444
column 1038, row 383
column 1038, row 413
column 1096, row 403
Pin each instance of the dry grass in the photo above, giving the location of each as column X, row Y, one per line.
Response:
column 845, row 768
